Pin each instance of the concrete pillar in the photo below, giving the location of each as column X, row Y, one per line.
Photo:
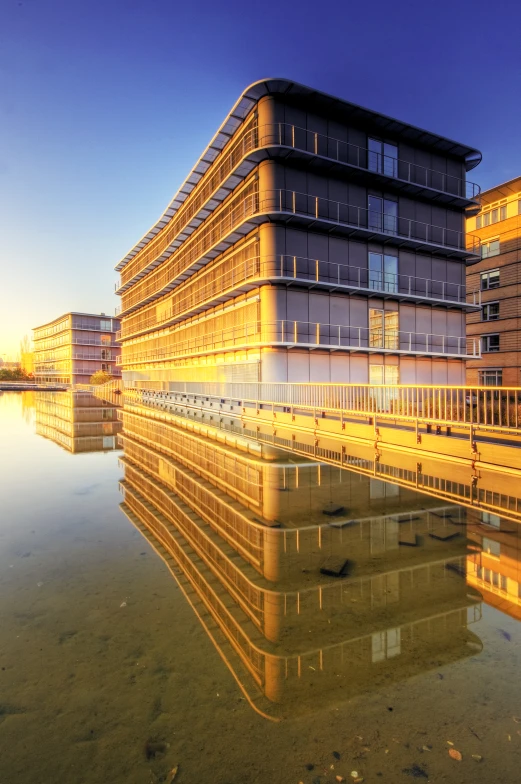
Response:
column 269, row 129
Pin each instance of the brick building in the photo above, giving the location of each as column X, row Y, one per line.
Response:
column 497, row 276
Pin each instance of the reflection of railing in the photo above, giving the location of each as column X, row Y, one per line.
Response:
column 231, row 274
column 307, row 333
column 494, row 406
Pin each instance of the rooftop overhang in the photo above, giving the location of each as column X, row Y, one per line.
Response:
column 318, row 101
column 502, row 191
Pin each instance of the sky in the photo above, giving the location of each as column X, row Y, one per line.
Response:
column 105, row 106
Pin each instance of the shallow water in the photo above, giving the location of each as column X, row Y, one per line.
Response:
column 108, row 674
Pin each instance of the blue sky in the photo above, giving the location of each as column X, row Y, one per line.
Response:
column 105, row 107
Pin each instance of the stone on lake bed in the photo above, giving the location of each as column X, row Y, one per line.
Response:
column 409, row 540
column 333, row 508
column 335, row 566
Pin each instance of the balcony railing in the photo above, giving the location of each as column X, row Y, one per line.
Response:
column 85, row 341
column 295, row 137
column 90, row 327
column 370, row 221
column 359, row 220
column 363, row 158
column 309, row 335
column 301, row 270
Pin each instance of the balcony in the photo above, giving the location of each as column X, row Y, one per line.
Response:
column 309, row 335
column 295, row 208
column 391, row 172
column 370, row 224
column 198, row 294
column 257, row 144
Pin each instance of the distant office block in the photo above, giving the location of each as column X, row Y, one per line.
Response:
column 71, row 348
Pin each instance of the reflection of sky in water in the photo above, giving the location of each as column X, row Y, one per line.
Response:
column 100, row 653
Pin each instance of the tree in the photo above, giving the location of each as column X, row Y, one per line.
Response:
column 100, row 377
column 26, row 356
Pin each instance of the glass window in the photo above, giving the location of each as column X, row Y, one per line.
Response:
column 376, row 328
column 383, row 272
column 519, row 207
column 491, row 547
column 490, row 378
column 489, row 248
column 383, row 214
column 503, row 584
column 382, row 157
column 106, row 325
column 490, row 343
column 383, row 374
column 494, row 215
column 383, row 328
column 106, row 339
column 486, row 219
column 491, row 519
column 391, row 329
column 479, row 221
column 490, row 311
column 390, row 216
column 489, row 280
column 503, row 212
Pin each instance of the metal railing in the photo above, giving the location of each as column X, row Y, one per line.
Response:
column 470, row 405
column 352, row 154
column 285, row 332
column 372, row 221
column 287, row 135
column 299, row 269
column 368, row 222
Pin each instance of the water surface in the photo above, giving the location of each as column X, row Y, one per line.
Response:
column 112, row 667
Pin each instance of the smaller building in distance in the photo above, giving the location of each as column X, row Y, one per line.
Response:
column 71, row 348
column 498, row 276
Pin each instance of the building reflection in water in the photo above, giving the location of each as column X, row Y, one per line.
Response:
column 494, row 562
column 77, row 420
column 314, row 582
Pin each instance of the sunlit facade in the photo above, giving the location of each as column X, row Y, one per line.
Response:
column 314, row 240
column 70, row 349
column 498, row 277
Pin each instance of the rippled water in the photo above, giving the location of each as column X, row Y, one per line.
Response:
column 118, row 665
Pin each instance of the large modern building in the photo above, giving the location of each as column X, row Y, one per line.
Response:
column 314, row 240
column 71, row 348
column 498, row 277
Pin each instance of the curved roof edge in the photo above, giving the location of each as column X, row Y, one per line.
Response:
column 270, row 86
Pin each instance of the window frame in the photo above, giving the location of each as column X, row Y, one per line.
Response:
column 485, row 345
column 498, row 377
column 486, row 276
column 486, row 305
column 485, row 244
column 382, row 158
column 382, row 279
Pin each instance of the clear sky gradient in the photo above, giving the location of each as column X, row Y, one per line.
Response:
column 106, row 105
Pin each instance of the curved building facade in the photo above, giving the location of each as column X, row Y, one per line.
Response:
column 314, row 240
